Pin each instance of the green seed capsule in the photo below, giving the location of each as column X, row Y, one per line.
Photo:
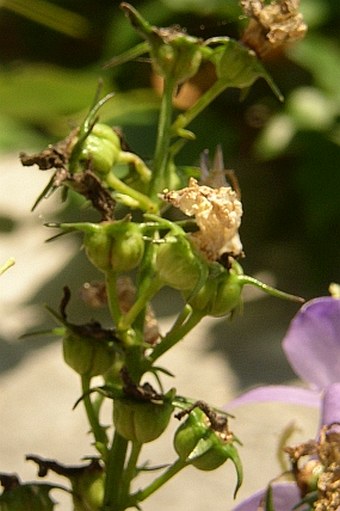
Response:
column 102, row 148
column 178, row 265
column 87, row 356
column 141, row 421
column 228, row 295
column 115, row 246
column 206, row 449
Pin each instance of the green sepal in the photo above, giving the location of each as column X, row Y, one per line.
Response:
column 175, row 55
column 237, row 65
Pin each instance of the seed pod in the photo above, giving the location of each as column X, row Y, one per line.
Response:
column 197, row 443
column 102, row 148
column 116, row 246
column 228, row 295
column 87, row 355
column 174, row 54
column 178, row 264
column 142, row 421
column 220, row 295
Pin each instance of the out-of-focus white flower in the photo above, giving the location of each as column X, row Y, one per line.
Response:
column 217, row 212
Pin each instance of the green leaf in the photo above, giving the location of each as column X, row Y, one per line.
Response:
column 38, row 93
column 27, row 497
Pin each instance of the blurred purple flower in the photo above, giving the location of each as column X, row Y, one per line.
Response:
column 312, row 347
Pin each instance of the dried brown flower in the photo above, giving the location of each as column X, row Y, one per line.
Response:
column 272, row 26
column 217, row 212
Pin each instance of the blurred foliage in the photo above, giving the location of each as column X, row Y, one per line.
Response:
column 286, row 155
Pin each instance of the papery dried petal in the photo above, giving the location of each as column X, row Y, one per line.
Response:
column 272, row 25
column 217, row 213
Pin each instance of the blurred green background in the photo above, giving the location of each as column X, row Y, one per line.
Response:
column 286, row 156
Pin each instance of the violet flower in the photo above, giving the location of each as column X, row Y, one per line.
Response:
column 312, row 347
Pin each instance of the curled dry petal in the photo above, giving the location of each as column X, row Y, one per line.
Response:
column 273, row 25
column 217, row 213
column 312, row 343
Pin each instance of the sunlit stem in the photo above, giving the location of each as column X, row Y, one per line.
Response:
column 245, row 279
column 163, row 139
column 97, row 430
column 114, row 473
column 127, row 319
column 142, row 200
column 160, row 481
column 133, row 53
column 184, row 119
column 176, row 334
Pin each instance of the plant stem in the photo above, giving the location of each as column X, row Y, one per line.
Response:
column 97, row 430
column 163, row 139
column 130, row 471
column 128, row 318
column 176, row 334
column 162, row 479
column 112, row 297
column 143, row 202
column 114, row 473
column 184, row 119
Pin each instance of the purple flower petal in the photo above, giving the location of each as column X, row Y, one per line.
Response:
column 331, row 405
column 285, row 496
column 312, row 343
column 282, row 393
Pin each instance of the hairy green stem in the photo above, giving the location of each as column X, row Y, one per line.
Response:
column 97, row 430
column 160, row 481
column 127, row 319
column 130, row 471
column 184, row 119
column 143, row 202
column 163, row 139
column 114, row 472
column 176, row 334
column 112, row 296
